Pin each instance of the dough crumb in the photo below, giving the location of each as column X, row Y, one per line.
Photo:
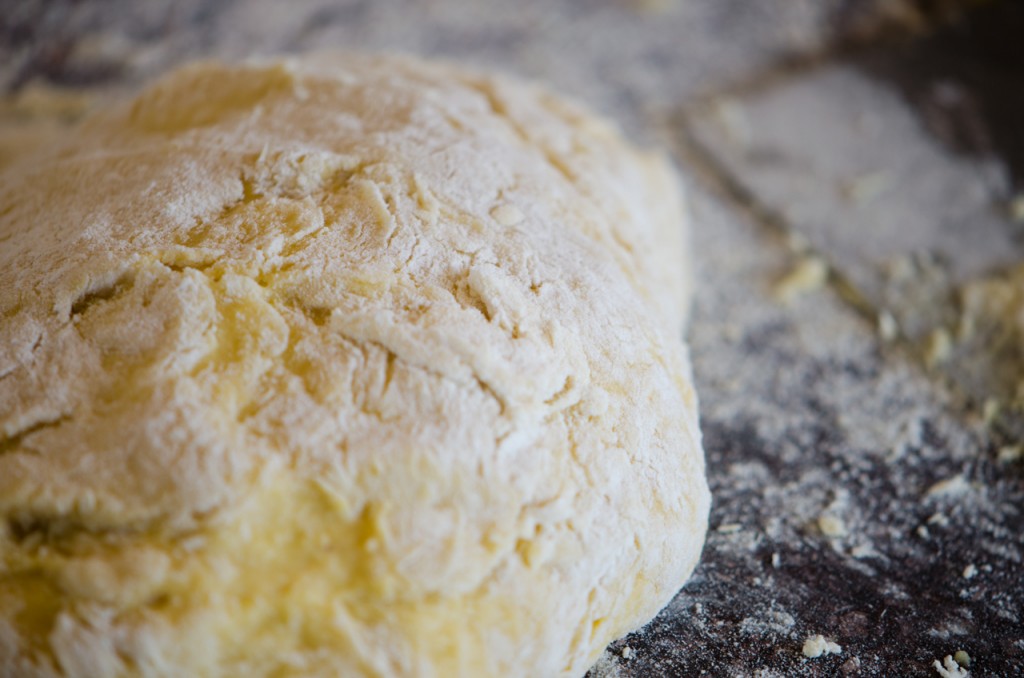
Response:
column 939, row 348
column 1016, row 208
column 808, row 275
column 949, row 668
column 970, row 571
column 832, row 526
column 863, row 551
column 888, row 329
column 817, row 645
column 1009, row 453
column 729, row 528
column 507, row 215
column 954, row 486
column 990, row 410
column 627, row 652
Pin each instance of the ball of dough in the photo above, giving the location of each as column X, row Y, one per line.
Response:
column 341, row 366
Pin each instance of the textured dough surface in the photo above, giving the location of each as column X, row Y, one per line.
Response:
column 344, row 365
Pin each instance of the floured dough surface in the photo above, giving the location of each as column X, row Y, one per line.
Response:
column 353, row 366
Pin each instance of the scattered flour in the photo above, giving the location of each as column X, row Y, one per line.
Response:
column 606, row 667
column 775, row 621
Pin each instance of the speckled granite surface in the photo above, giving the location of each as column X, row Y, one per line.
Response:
column 859, row 494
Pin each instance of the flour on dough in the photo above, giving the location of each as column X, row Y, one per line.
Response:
column 341, row 365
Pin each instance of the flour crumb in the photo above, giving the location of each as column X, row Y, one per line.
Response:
column 776, row 560
column 949, row 668
column 627, row 652
column 729, row 528
column 817, row 645
column 970, row 571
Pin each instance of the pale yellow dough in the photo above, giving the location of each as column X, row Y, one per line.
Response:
column 341, row 366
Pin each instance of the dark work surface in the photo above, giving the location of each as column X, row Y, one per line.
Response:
column 807, row 413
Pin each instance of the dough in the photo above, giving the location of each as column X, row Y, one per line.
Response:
column 341, row 366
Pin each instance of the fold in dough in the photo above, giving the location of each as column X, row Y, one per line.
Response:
column 341, row 366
